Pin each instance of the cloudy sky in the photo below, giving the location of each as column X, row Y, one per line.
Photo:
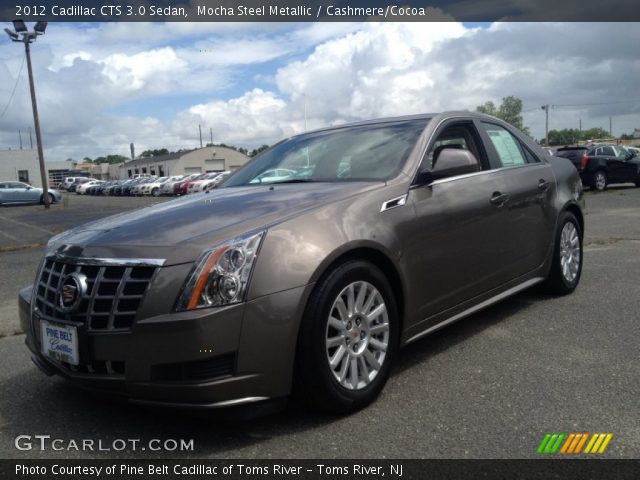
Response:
column 102, row 86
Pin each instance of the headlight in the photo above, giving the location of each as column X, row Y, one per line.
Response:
column 221, row 274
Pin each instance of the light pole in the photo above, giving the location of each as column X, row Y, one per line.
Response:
column 28, row 37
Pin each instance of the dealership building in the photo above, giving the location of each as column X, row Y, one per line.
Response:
column 200, row 160
column 23, row 165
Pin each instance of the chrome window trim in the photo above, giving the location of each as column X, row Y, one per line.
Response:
column 107, row 262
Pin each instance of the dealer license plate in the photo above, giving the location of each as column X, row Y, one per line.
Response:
column 59, row 342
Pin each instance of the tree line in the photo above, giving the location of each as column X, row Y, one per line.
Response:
column 158, row 152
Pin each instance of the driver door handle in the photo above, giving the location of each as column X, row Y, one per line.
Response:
column 499, row 199
column 543, row 185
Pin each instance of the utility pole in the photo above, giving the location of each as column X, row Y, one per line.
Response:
column 27, row 38
column 546, row 124
column 20, row 136
column 30, row 139
column 200, row 129
column 211, row 134
column 610, row 129
column 36, row 121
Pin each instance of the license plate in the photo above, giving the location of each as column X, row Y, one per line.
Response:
column 59, row 342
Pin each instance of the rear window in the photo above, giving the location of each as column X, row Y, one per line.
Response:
column 573, row 153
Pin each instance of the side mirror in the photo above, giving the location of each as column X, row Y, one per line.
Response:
column 450, row 163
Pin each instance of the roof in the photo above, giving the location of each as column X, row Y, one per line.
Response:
column 159, row 158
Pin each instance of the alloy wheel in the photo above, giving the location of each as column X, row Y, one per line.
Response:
column 357, row 335
column 570, row 255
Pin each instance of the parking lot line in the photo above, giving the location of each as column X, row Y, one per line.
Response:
column 44, row 230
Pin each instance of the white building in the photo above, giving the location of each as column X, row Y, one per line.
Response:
column 23, row 165
column 200, row 160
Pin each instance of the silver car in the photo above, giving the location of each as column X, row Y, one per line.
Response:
column 19, row 192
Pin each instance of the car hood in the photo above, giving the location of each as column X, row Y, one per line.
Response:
column 179, row 230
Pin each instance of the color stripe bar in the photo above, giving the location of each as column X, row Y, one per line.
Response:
column 543, row 443
column 574, row 445
column 593, row 439
column 566, row 444
column 554, row 443
column 606, row 441
column 582, row 442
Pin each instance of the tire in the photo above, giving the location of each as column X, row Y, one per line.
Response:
column 563, row 279
column 340, row 388
column 155, row 192
column 52, row 199
column 600, row 181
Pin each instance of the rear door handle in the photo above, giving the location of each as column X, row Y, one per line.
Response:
column 543, row 185
column 499, row 199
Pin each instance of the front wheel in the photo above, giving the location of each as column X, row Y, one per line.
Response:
column 600, row 181
column 156, row 192
column 348, row 338
column 567, row 256
column 52, row 199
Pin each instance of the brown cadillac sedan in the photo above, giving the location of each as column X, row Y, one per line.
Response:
column 308, row 268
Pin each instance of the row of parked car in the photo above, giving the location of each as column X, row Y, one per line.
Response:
column 602, row 164
column 145, row 185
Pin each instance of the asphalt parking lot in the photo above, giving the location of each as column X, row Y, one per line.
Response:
column 489, row 386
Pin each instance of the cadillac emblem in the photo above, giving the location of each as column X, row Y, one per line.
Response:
column 72, row 288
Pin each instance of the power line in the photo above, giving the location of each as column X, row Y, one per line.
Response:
column 576, row 105
column 14, row 90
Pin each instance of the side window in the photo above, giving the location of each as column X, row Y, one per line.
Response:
column 509, row 150
column 459, row 136
column 608, row 151
column 3, row 185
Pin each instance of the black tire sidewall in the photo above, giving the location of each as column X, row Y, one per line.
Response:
column 563, row 283
column 331, row 395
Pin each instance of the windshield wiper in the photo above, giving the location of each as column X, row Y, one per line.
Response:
column 291, row 180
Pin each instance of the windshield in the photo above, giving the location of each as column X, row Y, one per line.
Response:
column 366, row 152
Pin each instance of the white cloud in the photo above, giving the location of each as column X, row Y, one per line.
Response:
column 101, row 87
column 144, row 69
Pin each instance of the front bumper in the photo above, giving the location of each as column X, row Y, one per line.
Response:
column 200, row 359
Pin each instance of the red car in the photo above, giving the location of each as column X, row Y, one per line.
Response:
column 182, row 187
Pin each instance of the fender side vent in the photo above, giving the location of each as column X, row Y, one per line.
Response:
column 394, row 202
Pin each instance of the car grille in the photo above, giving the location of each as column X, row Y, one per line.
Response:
column 110, row 302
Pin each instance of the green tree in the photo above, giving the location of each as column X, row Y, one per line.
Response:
column 568, row 136
column 256, row 151
column 510, row 110
column 154, row 153
column 111, row 159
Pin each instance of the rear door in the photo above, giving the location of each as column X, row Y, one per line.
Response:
column 528, row 186
column 616, row 165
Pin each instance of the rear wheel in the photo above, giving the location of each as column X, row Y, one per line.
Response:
column 567, row 256
column 348, row 339
column 600, row 181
